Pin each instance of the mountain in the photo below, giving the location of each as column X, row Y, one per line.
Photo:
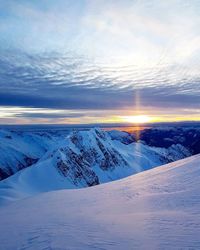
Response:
column 155, row 209
column 165, row 136
column 85, row 158
column 19, row 150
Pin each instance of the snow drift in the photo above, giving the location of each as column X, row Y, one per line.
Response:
column 156, row 209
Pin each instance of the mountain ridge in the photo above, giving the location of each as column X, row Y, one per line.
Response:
column 86, row 158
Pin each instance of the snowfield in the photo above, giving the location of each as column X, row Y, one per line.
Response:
column 155, row 209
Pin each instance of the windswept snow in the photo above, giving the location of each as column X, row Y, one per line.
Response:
column 156, row 209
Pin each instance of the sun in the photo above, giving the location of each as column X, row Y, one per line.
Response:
column 138, row 119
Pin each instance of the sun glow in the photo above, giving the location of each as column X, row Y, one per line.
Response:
column 138, row 119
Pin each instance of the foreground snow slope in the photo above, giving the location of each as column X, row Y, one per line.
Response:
column 156, row 209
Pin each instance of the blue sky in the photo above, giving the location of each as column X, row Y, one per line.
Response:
column 87, row 61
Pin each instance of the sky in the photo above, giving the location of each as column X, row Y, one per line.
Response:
column 99, row 61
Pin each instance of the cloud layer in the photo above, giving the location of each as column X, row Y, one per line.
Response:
column 64, row 82
column 103, row 56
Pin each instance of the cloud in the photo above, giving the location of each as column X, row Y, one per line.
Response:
column 99, row 55
column 66, row 82
column 143, row 32
column 52, row 115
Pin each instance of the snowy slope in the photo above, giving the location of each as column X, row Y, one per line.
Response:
column 85, row 158
column 19, row 150
column 156, row 209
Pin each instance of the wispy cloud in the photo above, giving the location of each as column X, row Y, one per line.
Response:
column 99, row 55
column 67, row 82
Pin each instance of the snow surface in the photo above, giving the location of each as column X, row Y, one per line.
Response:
column 155, row 209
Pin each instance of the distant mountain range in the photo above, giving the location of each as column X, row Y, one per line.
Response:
column 44, row 161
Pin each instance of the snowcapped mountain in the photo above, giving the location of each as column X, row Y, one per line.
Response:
column 165, row 136
column 85, row 158
column 156, row 209
column 19, row 150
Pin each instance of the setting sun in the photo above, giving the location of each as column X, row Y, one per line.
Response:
column 137, row 119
